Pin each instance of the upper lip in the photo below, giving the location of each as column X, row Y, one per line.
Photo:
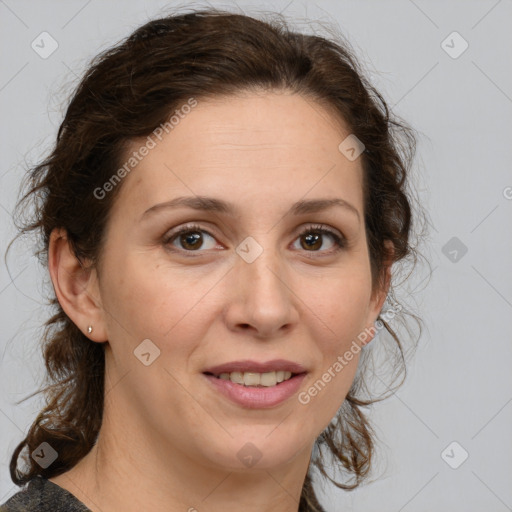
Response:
column 248, row 365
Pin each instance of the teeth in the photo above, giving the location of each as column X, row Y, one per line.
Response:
column 237, row 377
column 252, row 379
column 267, row 379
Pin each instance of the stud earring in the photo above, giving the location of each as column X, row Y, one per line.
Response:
column 89, row 329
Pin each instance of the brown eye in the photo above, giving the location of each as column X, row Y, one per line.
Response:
column 189, row 238
column 312, row 239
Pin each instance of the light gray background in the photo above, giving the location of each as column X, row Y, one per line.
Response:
column 459, row 385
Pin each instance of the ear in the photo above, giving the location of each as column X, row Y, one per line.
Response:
column 379, row 297
column 76, row 287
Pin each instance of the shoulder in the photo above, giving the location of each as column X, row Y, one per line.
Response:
column 41, row 495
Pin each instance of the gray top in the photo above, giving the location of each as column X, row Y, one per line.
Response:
column 41, row 495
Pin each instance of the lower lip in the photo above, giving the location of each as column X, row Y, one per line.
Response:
column 257, row 398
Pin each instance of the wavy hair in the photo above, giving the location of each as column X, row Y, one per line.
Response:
column 130, row 89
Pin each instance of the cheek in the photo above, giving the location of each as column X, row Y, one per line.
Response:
column 324, row 393
column 148, row 300
column 340, row 309
column 133, row 291
column 340, row 315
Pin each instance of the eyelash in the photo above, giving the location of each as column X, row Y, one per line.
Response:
column 340, row 242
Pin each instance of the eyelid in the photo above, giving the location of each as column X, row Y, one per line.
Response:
column 174, row 233
column 340, row 240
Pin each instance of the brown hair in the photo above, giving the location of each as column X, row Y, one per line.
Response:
column 127, row 92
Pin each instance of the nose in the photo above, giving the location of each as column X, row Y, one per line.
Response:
column 263, row 300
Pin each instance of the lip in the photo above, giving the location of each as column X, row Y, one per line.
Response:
column 248, row 365
column 256, row 397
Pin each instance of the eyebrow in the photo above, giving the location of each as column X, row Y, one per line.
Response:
column 211, row 204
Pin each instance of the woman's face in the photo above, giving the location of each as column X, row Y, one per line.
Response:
column 242, row 287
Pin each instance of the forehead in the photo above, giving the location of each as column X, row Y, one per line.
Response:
column 249, row 146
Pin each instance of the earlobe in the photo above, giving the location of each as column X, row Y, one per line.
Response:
column 76, row 287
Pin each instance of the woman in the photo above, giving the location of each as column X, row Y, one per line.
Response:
column 219, row 218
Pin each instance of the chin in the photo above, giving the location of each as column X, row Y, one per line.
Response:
column 259, row 450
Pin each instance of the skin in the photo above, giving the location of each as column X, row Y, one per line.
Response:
column 169, row 441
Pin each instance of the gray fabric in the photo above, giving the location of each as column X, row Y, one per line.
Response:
column 41, row 495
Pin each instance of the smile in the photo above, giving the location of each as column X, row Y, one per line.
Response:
column 253, row 379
